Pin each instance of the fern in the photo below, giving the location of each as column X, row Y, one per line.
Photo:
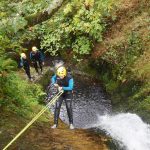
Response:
column 6, row 64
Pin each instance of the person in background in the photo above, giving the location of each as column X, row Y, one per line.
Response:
column 64, row 82
column 37, row 59
column 25, row 64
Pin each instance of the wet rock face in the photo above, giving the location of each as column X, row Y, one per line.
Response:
column 89, row 101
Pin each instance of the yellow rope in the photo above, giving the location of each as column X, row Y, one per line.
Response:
column 34, row 119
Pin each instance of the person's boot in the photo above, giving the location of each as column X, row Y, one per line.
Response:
column 71, row 126
column 38, row 73
column 54, row 126
column 31, row 79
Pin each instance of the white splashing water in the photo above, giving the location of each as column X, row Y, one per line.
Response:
column 128, row 129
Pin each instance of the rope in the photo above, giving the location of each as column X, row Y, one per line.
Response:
column 34, row 119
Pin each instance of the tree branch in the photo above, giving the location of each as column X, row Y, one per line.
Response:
column 42, row 16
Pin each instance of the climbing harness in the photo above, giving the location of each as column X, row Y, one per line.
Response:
column 54, row 99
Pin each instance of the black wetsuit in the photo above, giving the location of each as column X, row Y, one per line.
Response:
column 67, row 96
column 37, row 58
column 25, row 64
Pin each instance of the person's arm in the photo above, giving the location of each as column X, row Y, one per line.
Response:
column 53, row 79
column 42, row 57
column 31, row 58
column 70, row 86
column 20, row 65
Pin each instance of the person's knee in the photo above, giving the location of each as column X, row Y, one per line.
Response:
column 69, row 103
column 57, row 105
column 40, row 63
column 35, row 64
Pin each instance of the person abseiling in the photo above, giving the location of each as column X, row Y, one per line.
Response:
column 25, row 64
column 64, row 82
column 37, row 59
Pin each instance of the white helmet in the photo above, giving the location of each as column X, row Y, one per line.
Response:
column 34, row 49
column 23, row 55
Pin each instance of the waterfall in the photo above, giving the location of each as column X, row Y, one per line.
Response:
column 127, row 129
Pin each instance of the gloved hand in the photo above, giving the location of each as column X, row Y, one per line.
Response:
column 56, row 85
column 60, row 88
column 49, row 86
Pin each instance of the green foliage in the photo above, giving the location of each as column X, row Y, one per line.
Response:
column 141, row 67
column 123, row 55
column 82, row 45
column 52, row 42
column 125, row 71
column 110, row 84
column 13, row 22
column 143, row 92
column 25, row 7
column 18, row 94
column 76, row 19
column 6, row 65
column 13, row 25
column 80, row 24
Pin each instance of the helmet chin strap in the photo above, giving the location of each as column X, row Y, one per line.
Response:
column 61, row 77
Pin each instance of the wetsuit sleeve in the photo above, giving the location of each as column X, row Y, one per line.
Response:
column 70, row 86
column 42, row 57
column 53, row 79
column 31, row 56
column 20, row 65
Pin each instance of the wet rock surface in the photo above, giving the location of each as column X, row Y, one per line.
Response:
column 41, row 137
